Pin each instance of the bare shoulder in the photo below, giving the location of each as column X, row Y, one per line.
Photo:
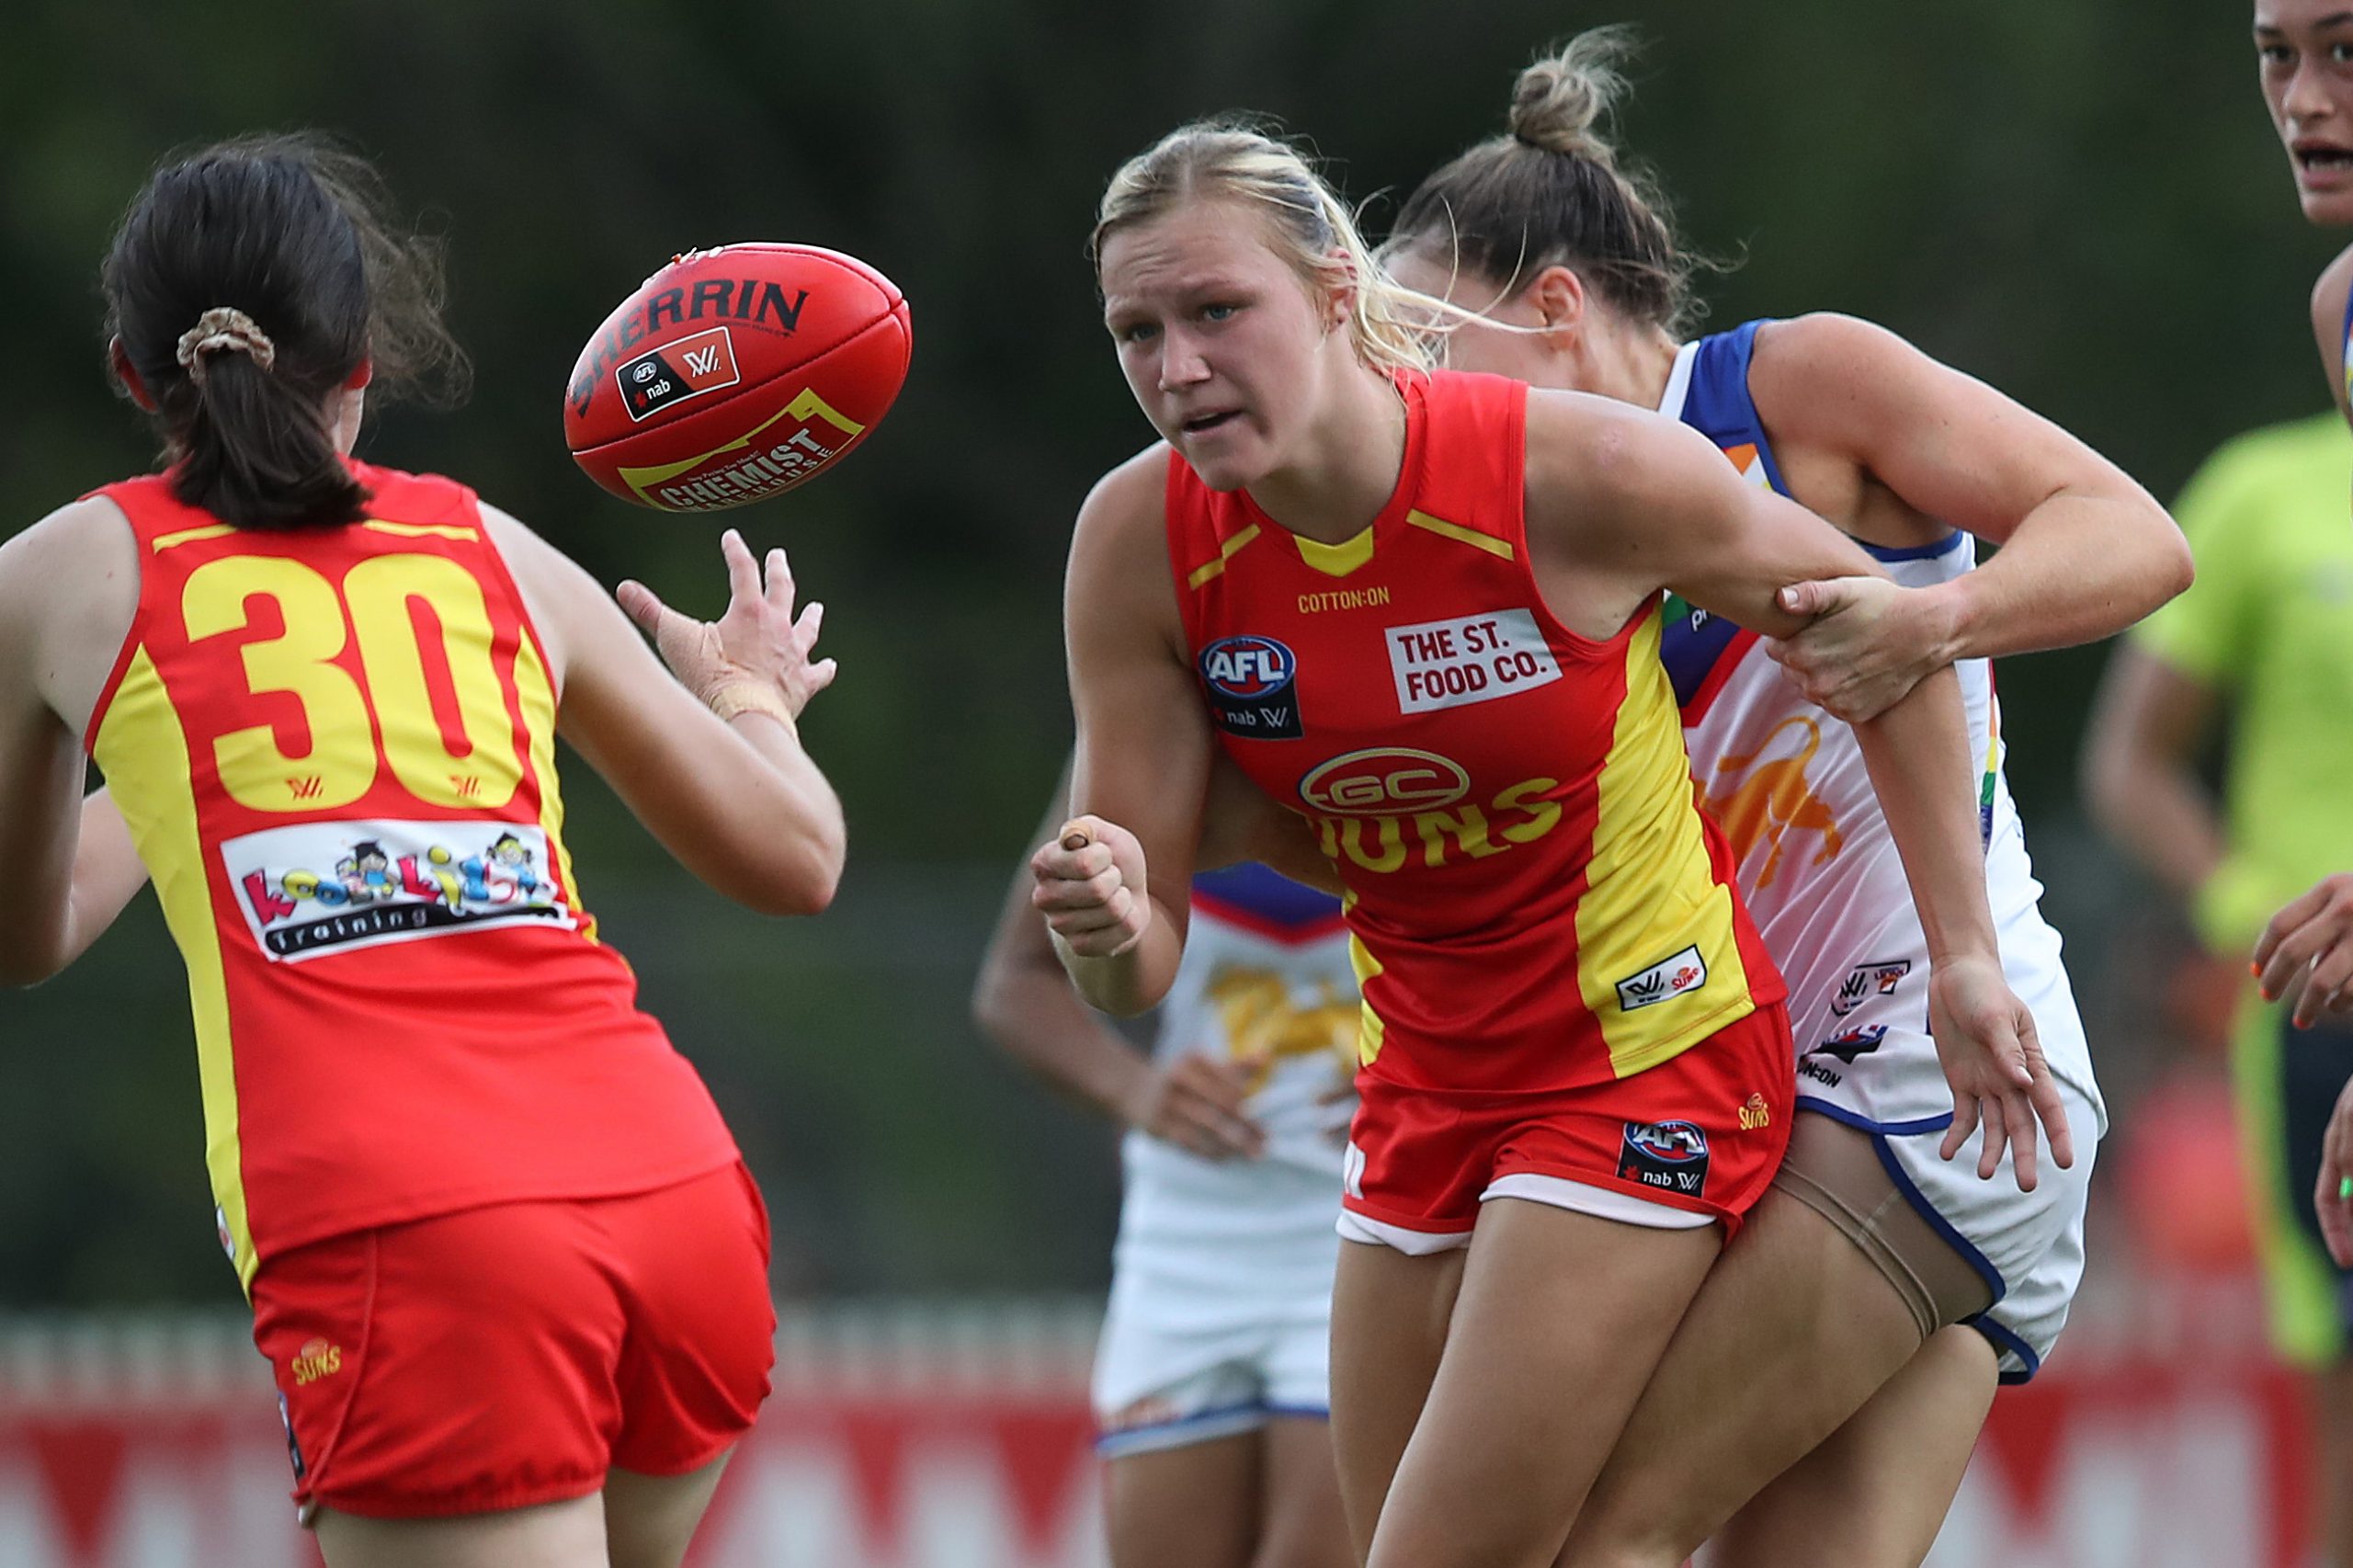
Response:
column 1120, row 550
column 2329, row 297
column 78, row 560
column 69, row 590
column 1824, row 349
column 1604, row 462
column 1131, row 499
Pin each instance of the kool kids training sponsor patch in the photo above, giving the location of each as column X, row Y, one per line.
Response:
column 1472, row 658
column 332, row 887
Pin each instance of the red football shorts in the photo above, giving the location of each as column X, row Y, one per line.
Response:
column 510, row 1355
column 1694, row 1139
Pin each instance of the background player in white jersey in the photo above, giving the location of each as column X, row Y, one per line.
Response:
column 1835, row 1320
column 1211, row 1382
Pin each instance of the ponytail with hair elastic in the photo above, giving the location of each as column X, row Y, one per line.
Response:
column 246, row 287
column 1550, row 192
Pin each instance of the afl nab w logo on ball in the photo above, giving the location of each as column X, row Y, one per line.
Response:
column 1252, row 683
column 1385, row 781
column 1671, row 1155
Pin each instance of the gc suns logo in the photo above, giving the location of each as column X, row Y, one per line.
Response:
column 1252, row 685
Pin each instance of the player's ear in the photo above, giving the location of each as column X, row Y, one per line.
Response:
column 361, row 374
column 128, row 376
column 1340, row 292
column 1559, row 297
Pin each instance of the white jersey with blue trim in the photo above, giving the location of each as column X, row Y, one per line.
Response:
column 1265, row 981
column 1817, row 864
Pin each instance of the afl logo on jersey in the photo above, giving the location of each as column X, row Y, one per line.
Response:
column 1671, row 1155
column 1385, row 781
column 1252, row 683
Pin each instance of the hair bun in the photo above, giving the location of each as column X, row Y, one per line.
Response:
column 1557, row 101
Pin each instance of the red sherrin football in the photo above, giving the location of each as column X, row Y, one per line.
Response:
column 735, row 374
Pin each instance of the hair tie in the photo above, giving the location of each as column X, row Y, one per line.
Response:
column 222, row 329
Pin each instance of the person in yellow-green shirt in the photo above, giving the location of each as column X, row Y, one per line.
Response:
column 2267, row 634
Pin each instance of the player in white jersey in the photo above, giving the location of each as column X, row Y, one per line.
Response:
column 1828, row 1355
column 1212, row 1385
column 1785, row 780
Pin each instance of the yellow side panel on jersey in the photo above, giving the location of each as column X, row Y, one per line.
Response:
column 1370, row 1029
column 537, row 694
column 1657, row 959
column 143, row 752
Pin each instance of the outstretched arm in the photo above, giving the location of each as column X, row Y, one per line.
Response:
column 705, row 753
column 2086, row 551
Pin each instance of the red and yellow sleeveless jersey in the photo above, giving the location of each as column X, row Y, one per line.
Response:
column 1536, row 901
column 336, row 751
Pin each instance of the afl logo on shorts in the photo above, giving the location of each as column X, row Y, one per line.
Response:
column 1670, row 1156
column 1252, row 686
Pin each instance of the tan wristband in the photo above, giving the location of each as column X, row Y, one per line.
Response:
column 753, row 697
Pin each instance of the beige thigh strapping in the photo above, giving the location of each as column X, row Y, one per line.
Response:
column 1834, row 1170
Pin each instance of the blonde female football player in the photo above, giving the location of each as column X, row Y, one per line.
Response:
column 1421, row 609
column 1834, row 1318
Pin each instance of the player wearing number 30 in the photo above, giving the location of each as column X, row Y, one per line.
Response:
column 501, row 1251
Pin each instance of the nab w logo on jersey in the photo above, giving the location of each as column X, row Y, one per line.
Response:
column 1671, row 1155
column 1683, row 972
column 1866, row 981
column 1253, row 687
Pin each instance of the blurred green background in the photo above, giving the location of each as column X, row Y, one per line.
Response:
column 2082, row 203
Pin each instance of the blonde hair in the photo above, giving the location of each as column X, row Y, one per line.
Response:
column 1551, row 190
column 1309, row 226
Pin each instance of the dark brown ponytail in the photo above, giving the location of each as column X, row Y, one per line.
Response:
column 1550, row 192
column 286, row 232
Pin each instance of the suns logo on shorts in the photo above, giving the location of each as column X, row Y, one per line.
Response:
column 316, row 1359
column 1755, row 1114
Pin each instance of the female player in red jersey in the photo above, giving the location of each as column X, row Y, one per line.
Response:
column 1857, row 1271
column 502, row 1255
column 1423, row 610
